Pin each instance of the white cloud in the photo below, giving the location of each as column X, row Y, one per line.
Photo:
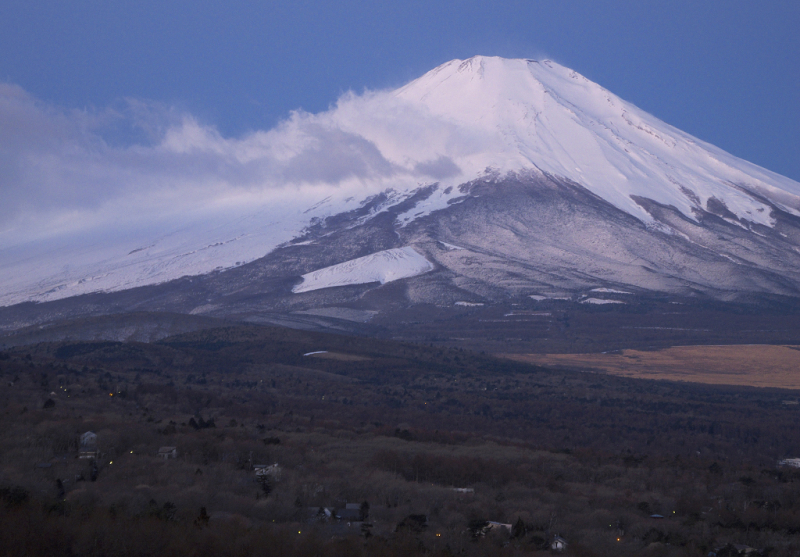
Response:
column 65, row 170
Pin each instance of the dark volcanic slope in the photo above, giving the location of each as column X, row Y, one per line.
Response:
column 503, row 241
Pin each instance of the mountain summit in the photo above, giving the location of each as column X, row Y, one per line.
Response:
column 483, row 181
column 527, row 114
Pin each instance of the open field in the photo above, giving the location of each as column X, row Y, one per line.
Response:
column 746, row 365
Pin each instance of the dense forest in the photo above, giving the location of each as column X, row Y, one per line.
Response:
column 382, row 448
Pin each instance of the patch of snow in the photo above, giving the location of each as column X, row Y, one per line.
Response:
column 179, row 245
column 600, row 301
column 317, row 352
column 540, row 298
column 440, row 199
column 469, row 304
column 382, row 266
column 608, row 291
column 450, row 247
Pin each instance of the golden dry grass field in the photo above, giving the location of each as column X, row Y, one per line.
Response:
column 752, row 365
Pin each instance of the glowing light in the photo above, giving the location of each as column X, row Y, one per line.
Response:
column 110, row 394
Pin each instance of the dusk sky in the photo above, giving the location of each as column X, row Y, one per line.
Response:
column 98, row 77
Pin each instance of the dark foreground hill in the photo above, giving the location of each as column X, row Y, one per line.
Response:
column 592, row 458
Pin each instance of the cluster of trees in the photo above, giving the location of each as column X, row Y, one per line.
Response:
column 586, row 457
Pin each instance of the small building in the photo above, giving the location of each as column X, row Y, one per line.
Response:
column 735, row 549
column 480, row 528
column 493, row 525
column 351, row 512
column 87, row 447
column 559, row 544
column 89, row 438
column 320, row 514
column 168, row 452
column 464, row 490
column 272, row 471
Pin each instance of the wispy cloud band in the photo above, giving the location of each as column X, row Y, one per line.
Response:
column 63, row 170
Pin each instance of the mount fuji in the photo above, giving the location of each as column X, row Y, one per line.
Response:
column 485, row 181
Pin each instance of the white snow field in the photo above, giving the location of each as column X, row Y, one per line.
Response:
column 600, row 301
column 521, row 114
column 382, row 266
column 459, row 122
column 156, row 250
column 609, row 291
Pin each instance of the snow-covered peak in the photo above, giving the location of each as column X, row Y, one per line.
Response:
column 513, row 114
column 199, row 201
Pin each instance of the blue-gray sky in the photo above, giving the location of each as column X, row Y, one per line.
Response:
column 727, row 72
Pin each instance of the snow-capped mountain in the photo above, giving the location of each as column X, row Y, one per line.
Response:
column 483, row 180
column 526, row 114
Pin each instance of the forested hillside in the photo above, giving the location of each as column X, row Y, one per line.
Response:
column 614, row 466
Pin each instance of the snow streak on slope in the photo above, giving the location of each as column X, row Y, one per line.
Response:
column 382, row 266
column 159, row 250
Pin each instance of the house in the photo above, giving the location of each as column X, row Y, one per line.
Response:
column 559, row 544
column 479, row 528
column 464, row 490
column 268, row 471
column 89, row 438
column 734, row 550
column 320, row 514
column 351, row 512
column 168, row 452
column 87, row 447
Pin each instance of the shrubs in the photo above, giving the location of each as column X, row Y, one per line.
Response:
column 14, row 496
column 590, row 458
column 446, row 470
